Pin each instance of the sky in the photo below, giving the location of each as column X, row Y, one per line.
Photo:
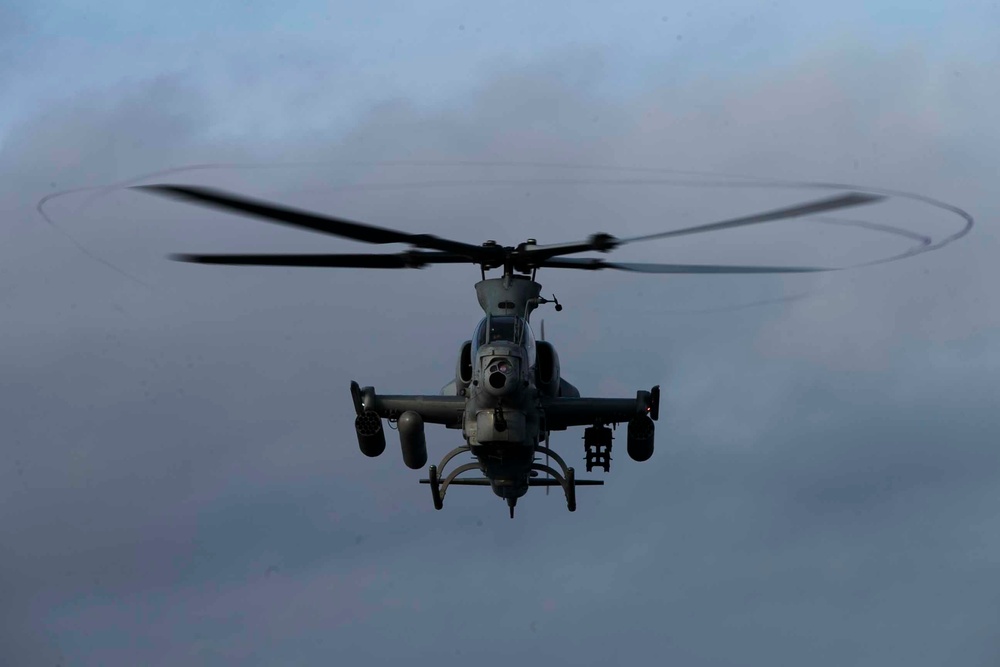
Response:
column 180, row 481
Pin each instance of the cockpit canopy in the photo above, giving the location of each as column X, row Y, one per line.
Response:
column 506, row 328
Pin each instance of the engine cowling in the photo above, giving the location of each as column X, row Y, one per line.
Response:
column 640, row 438
column 463, row 369
column 412, row 439
column 546, row 369
column 371, row 437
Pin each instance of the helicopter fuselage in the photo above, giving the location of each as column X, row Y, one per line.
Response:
column 507, row 396
column 502, row 424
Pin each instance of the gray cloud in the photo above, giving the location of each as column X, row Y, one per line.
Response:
column 181, row 483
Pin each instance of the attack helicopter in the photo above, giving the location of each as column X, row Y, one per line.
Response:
column 508, row 394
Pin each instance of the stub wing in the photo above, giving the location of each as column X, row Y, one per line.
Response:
column 563, row 412
column 560, row 412
column 446, row 410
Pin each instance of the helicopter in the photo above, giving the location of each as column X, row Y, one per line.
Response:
column 508, row 394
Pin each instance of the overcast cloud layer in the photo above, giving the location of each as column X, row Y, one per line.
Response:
column 180, row 482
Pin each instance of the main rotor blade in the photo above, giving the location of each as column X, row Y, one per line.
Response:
column 819, row 206
column 534, row 255
column 599, row 264
column 406, row 260
column 537, row 256
column 324, row 224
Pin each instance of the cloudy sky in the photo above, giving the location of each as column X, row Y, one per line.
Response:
column 179, row 479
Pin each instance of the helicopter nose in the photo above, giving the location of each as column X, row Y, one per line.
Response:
column 500, row 374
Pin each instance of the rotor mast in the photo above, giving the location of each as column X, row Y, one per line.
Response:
column 513, row 293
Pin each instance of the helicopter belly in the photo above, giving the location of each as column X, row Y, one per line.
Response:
column 507, row 465
column 498, row 425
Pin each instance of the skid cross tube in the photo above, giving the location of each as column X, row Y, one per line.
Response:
column 438, row 487
column 568, row 482
column 452, row 454
column 465, row 467
column 564, row 476
column 541, row 449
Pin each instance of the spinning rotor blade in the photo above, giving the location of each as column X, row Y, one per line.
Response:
column 819, row 206
column 538, row 255
column 525, row 257
column 599, row 264
column 325, row 224
column 403, row 260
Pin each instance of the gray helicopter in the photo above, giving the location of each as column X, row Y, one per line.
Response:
column 508, row 394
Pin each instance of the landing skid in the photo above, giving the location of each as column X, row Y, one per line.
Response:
column 564, row 477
